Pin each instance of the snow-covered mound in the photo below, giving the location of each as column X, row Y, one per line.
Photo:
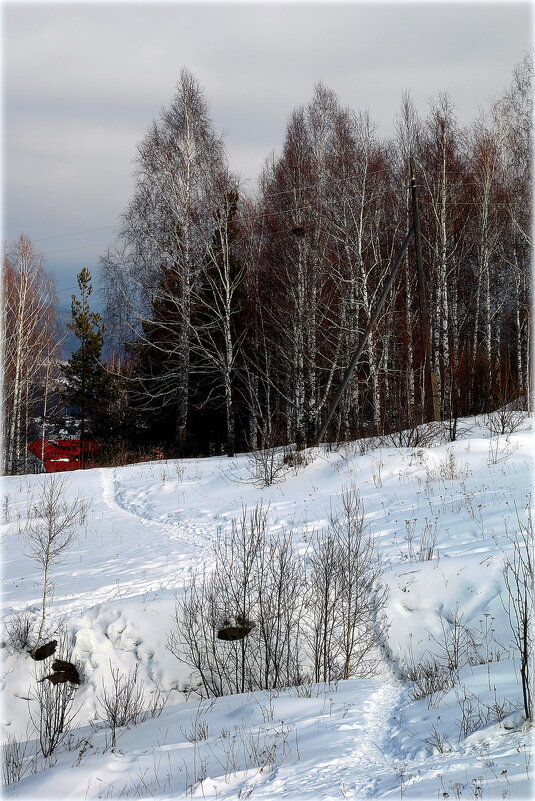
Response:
column 150, row 525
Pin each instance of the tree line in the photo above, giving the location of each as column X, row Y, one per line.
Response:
column 232, row 318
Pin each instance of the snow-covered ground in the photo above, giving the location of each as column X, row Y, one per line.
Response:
column 150, row 525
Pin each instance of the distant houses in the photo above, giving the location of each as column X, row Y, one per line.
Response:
column 54, row 456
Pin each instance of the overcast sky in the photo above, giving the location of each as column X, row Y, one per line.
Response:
column 83, row 81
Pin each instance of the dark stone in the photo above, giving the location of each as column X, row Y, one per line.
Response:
column 60, row 677
column 44, row 651
column 60, row 666
column 63, row 672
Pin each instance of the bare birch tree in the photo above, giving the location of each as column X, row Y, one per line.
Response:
column 29, row 338
column 218, row 329
column 165, row 234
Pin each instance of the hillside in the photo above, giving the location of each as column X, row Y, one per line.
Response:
column 150, row 526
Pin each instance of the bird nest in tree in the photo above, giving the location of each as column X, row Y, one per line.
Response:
column 235, row 629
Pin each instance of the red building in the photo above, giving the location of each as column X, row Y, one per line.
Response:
column 63, row 454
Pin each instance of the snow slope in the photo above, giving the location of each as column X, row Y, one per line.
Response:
column 151, row 524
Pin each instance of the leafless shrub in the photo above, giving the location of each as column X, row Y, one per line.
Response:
column 518, row 578
column 448, row 469
column 20, row 630
column 505, row 420
column 345, row 596
column 123, row 703
column 262, row 749
column 367, row 444
column 266, row 466
column 118, row 455
column 428, row 541
column 487, row 649
column 428, row 677
column 198, row 732
column 267, row 709
column 418, row 436
column 475, row 511
column 437, row 741
column 18, row 759
column 378, row 465
column 500, row 450
column 327, row 617
column 180, row 470
column 199, row 727
column 51, row 529
column 474, row 714
column 83, row 745
column 156, row 704
column 296, row 459
column 305, row 689
column 200, row 772
column 268, row 748
column 457, row 644
column 501, row 707
column 6, row 515
column 52, row 711
column 257, row 579
column 54, row 715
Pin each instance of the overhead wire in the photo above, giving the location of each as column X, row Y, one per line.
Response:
column 263, row 214
column 80, row 247
column 75, row 233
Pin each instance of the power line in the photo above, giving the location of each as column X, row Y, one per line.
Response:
column 262, row 197
column 81, row 247
column 75, row 233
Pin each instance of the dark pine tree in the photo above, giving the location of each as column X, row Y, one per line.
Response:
column 158, row 359
column 85, row 378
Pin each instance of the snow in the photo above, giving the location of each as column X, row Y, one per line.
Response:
column 151, row 524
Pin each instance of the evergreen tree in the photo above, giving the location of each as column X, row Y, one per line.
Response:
column 154, row 395
column 85, row 377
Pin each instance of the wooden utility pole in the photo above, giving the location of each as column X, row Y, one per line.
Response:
column 430, row 397
column 430, row 405
column 364, row 339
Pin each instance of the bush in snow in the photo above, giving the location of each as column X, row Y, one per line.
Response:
column 123, row 703
column 345, row 599
column 20, row 630
column 256, row 579
column 262, row 620
column 518, row 577
column 18, row 759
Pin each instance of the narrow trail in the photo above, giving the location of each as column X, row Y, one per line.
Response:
column 373, row 754
column 359, row 754
column 190, row 541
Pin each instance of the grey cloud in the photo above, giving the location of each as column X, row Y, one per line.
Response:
column 83, row 81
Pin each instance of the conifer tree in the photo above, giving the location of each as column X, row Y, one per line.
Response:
column 85, row 377
column 153, row 395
